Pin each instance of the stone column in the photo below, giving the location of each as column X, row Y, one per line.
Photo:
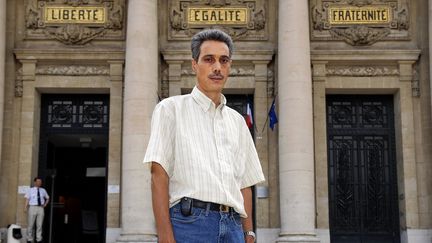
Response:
column 261, row 137
column 2, row 65
column 29, row 133
column 140, row 97
column 114, row 146
column 296, row 147
column 430, row 43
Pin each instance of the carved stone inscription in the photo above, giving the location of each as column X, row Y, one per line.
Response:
column 360, row 15
column 211, row 16
column 242, row 19
column 75, row 22
column 74, row 15
column 360, row 22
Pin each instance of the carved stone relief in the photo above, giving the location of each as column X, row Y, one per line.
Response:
column 73, row 70
column 362, row 71
column 360, row 3
column 361, row 33
column 75, row 33
column 271, row 90
column 19, row 83
column 75, row 2
column 61, row 70
column 255, row 29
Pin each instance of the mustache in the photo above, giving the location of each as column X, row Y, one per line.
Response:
column 215, row 75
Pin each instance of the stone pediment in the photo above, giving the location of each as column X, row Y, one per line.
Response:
column 75, row 22
column 241, row 19
column 359, row 22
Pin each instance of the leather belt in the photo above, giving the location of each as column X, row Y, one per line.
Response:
column 213, row 206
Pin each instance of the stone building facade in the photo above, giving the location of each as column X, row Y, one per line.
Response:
column 350, row 159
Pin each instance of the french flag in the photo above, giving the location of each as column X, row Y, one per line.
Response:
column 249, row 118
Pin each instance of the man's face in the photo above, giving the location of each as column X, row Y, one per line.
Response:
column 212, row 67
column 38, row 183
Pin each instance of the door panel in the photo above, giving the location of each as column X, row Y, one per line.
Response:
column 362, row 169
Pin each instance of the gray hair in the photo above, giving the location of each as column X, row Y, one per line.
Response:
column 210, row 34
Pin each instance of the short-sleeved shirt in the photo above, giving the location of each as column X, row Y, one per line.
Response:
column 32, row 196
column 207, row 151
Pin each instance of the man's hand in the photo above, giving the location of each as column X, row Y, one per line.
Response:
column 249, row 239
column 160, row 200
column 46, row 202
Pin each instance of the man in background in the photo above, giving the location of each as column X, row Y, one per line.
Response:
column 36, row 200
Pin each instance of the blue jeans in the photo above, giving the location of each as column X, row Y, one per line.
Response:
column 206, row 226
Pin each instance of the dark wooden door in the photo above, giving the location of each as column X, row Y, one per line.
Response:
column 363, row 202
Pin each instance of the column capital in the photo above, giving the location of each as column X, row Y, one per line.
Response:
column 28, row 69
column 116, row 62
column 116, row 70
column 27, row 61
column 406, row 71
column 261, row 62
column 319, row 71
column 173, row 62
column 261, row 71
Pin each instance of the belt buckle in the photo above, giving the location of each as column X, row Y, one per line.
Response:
column 223, row 208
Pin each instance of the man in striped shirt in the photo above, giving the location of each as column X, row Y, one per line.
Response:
column 203, row 159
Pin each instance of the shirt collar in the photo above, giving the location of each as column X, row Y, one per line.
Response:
column 204, row 101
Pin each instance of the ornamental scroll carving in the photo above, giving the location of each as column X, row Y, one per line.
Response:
column 271, row 90
column 79, row 33
column 255, row 28
column 19, row 86
column 73, row 70
column 61, row 70
column 360, row 35
column 362, row 71
column 394, row 25
column 360, row 3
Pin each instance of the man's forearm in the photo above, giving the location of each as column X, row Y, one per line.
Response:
column 46, row 202
column 247, row 198
column 26, row 204
column 160, row 200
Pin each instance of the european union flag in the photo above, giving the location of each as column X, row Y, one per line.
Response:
column 272, row 115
